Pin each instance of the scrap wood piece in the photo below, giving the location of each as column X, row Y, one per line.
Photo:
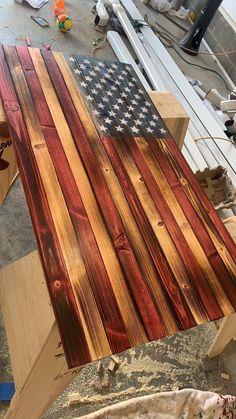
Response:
column 131, row 247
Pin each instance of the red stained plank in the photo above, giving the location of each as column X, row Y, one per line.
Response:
column 52, row 259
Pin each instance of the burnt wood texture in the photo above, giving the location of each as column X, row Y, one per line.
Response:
column 131, row 247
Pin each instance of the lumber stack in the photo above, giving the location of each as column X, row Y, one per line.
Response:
column 132, row 249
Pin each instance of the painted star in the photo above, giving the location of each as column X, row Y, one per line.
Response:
column 116, row 107
column 96, row 68
column 124, row 72
column 83, row 84
column 100, row 106
column 86, row 61
column 89, row 97
column 105, row 99
column 94, row 91
column 134, row 102
column 155, row 117
column 112, row 113
column 113, row 88
column 127, row 115
column 77, row 71
column 140, row 91
column 131, row 108
column 149, row 130
column 141, row 115
column 137, row 96
column 101, row 64
column 92, row 73
column 103, row 80
column 120, row 100
column 108, row 121
column 108, row 76
column 88, row 78
column 119, row 128
column 109, row 93
column 98, row 85
column 147, row 103
column 82, row 66
column 111, row 71
column 114, row 66
column 124, row 95
column 163, row 131
column 123, row 121
column 138, row 122
column 145, row 110
column 152, row 123
column 72, row 59
column 102, row 128
column 130, row 84
column 134, row 129
column 95, row 112
column 117, row 82
column 134, row 79
column 120, row 77
column 127, row 89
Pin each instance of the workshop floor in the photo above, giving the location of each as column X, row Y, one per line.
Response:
column 176, row 362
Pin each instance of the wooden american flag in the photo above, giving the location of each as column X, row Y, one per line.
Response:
column 131, row 247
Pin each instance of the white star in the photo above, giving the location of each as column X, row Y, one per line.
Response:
column 120, row 100
column 163, row 131
column 72, row 59
column 103, row 80
column 134, row 102
column 123, row 121
column 100, row 106
column 141, row 115
column 102, row 128
column 155, row 117
column 96, row 68
column 127, row 89
column 120, row 77
column 152, row 123
column 86, row 61
column 98, row 85
column 140, row 91
column 83, row 84
column 108, row 121
column 101, row 64
column 127, row 115
column 88, row 78
column 149, row 130
column 114, row 66
column 105, row 99
column 145, row 110
column 131, row 108
column 113, row 88
column 92, row 73
column 124, row 72
column 116, row 107
column 130, row 84
column 134, row 79
column 88, row 97
column 108, row 76
column 94, row 91
column 111, row 71
column 95, row 112
column 148, row 104
column 82, row 66
column 134, row 129
column 77, row 71
column 109, row 94
column 117, row 82
column 111, row 113
column 138, row 122
column 124, row 95
column 119, row 128
column 137, row 96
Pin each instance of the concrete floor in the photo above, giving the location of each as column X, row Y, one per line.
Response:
column 176, row 362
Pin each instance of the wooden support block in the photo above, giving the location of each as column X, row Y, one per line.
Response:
column 173, row 114
column 38, row 362
column 8, row 166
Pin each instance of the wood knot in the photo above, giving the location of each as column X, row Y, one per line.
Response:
column 120, row 242
column 57, row 284
column 160, row 223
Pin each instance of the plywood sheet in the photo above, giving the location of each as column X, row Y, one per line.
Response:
column 131, row 248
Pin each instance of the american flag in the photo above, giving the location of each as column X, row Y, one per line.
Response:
column 116, row 99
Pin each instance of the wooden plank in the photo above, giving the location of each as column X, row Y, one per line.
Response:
column 113, row 220
column 4, row 131
column 92, row 324
column 50, row 251
column 127, row 309
column 119, row 199
column 102, row 290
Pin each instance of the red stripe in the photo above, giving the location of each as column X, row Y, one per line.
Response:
column 114, row 223
column 52, row 260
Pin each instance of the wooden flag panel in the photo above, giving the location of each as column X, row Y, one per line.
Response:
column 131, row 247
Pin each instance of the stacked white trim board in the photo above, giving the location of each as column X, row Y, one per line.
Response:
column 208, row 152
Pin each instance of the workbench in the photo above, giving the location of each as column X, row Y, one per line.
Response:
column 129, row 247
